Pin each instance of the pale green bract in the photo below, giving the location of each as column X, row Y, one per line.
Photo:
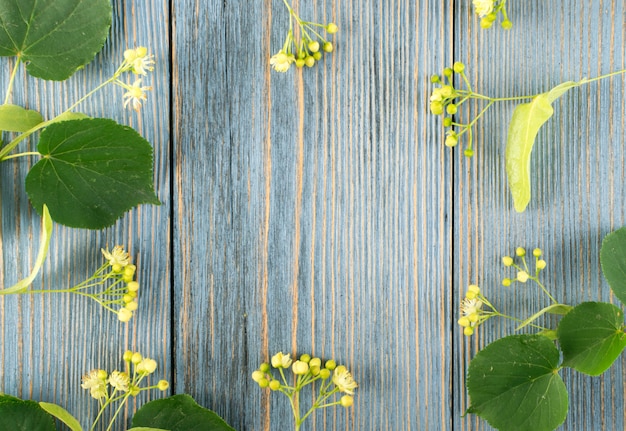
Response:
column 53, row 38
column 527, row 119
column 63, row 415
column 14, row 118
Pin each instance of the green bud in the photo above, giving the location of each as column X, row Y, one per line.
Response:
column 305, row 358
column 330, row 364
column 324, row 373
column 332, row 28
column 317, row 55
column 458, row 67
column 264, row 367
column 507, row 25
column 492, row 17
column 264, row 383
column 451, row 109
column 447, row 72
column 436, row 108
column 468, row 152
column 507, row 261
column 447, row 91
column 520, row 251
column 451, row 141
column 309, row 61
column 537, row 252
column 435, row 79
column 274, row 385
column 485, row 23
column 506, row 282
column 300, row 62
column 541, row 264
column 327, row 47
column 313, row 46
column 447, row 122
column 347, row 401
column 258, row 375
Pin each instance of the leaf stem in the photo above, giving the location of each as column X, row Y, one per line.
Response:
column 12, row 79
column 28, row 153
column 608, row 75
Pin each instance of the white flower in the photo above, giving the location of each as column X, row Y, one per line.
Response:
column 470, row 307
column 300, row 368
column 135, row 95
column 343, row 380
column 117, row 256
column 281, row 61
column 146, row 366
column 124, row 314
column 281, row 361
column 436, row 96
column 483, row 7
column 119, row 380
column 138, row 60
column 95, row 381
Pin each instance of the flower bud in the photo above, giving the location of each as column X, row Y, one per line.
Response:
column 435, row 79
column 458, row 67
column 492, row 16
column 133, row 286
column 317, row 56
column 485, row 23
column 127, row 355
column 102, row 375
column 506, row 282
column 451, row 141
column 447, row 72
column 264, row 367
column 300, row 62
column 436, row 108
column 473, row 317
column 522, row 276
column 332, row 28
column 468, row 152
column 541, row 264
column 507, row 261
column 124, row 314
column 330, row 364
column 163, row 385
column 468, row 331
column 132, row 306
column 300, row 368
column 136, row 358
column 347, row 401
column 447, row 122
column 324, row 373
column 309, row 61
column 274, row 385
column 258, row 375
column 520, row 251
column 451, row 109
column 315, row 362
column 464, row 322
column 314, row 46
column 264, row 383
column 473, row 288
column 327, row 47
column 537, row 252
column 305, row 358
column 506, row 24
column 117, row 268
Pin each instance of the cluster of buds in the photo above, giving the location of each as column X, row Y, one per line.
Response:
column 446, row 99
column 332, row 378
column 523, row 273
column 108, row 388
column 488, row 11
column 472, row 312
column 308, row 49
column 138, row 62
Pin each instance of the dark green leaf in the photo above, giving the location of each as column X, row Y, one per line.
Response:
column 591, row 337
column 18, row 415
column 513, row 383
column 53, row 38
column 91, row 173
column 178, row 413
column 613, row 260
column 14, row 118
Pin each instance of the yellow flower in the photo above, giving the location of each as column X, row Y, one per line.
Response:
column 483, row 7
column 124, row 314
column 95, row 381
column 344, row 381
column 135, row 95
column 119, row 380
column 116, row 257
column 470, row 307
column 281, row 361
column 281, row 61
column 300, row 368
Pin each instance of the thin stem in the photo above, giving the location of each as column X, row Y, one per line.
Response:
column 469, row 125
column 536, row 280
column 520, row 321
column 118, row 411
column 28, row 153
column 13, row 73
column 608, row 75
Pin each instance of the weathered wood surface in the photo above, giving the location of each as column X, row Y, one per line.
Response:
column 318, row 210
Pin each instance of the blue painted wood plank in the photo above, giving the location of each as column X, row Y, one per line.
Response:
column 312, row 210
column 577, row 178
column 48, row 342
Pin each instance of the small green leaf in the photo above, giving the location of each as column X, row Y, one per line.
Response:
column 61, row 414
column 46, row 233
column 513, row 383
column 14, row 118
column 53, row 38
column 91, row 173
column 591, row 337
column 178, row 413
column 525, row 124
column 561, row 89
column 551, row 309
column 613, row 261
column 19, row 415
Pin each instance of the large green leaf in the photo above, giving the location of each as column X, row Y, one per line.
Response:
column 613, row 260
column 525, row 124
column 19, row 415
column 91, row 173
column 63, row 415
column 591, row 337
column 178, row 413
column 14, row 118
column 53, row 37
column 514, row 384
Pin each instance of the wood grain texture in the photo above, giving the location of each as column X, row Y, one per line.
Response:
column 50, row 341
column 577, row 176
column 312, row 210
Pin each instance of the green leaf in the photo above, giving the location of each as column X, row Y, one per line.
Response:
column 14, row 118
column 61, row 414
column 513, row 383
column 551, row 309
column 178, row 413
column 19, row 415
column 591, row 337
column 46, row 233
column 613, row 261
column 69, row 116
column 525, row 124
column 91, row 173
column 53, row 38
column 146, row 429
column 561, row 89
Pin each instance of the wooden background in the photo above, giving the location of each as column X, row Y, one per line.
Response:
column 318, row 210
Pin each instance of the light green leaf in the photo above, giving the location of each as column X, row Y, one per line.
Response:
column 561, row 89
column 178, row 413
column 61, row 414
column 91, row 173
column 66, row 116
column 591, row 337
column 19, row 415
column 146, row 429
column 551, row 309
column 525, row 124
column 53, row 38
column 513, row 383
column 14, row 118
column 46, row 233
column 613, row 261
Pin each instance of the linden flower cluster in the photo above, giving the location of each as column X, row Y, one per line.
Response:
column 523, row 273
column 138, row 62
column 333, row 379
column 472, row 312
column 306, row 51
column 120, row 385
column 488, row 11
